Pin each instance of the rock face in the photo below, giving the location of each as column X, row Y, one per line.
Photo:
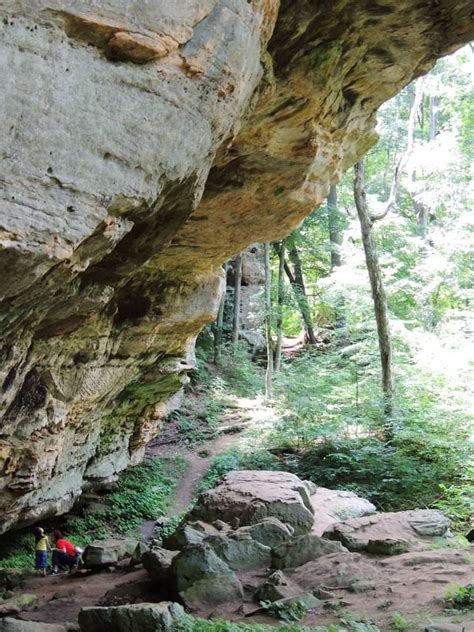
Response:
column 251, row 496
column 143, row 144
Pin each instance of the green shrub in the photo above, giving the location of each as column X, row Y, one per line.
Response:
column 461, row 597
column 235, row 459
column 293, row 611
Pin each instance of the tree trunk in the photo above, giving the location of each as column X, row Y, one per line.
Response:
column 219, row 323
column 268, row 323
column 334, row 226
column 237, row 286
column 297, row 282
column 434, row 106
column 378, row 295
column 281, row 297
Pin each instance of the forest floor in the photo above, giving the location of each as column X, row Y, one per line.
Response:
column 410, row 595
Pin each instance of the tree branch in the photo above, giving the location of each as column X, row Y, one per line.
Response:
column 397, row 174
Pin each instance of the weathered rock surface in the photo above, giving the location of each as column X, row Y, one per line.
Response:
column 338, row 570
column 142, row 617
column 157, row 562
column 143, row 144
column 193, row 532
column 14, row 625
column 302, row 549
column 241, row 552
column 333, row 505
column 204, row 579
column 251, row 496
column 108, row 552
column 269, row 531
column 391, row 533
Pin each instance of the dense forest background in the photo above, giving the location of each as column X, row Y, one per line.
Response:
column 394, row 423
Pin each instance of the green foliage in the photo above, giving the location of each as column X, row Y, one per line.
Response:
column 399, row 623
column 332, row 423
column 191, row 624
column 241, row 375
column 292, row 611
column 460, row 597
column 236, row 459
column 17, row 551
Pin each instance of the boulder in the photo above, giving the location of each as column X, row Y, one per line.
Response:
column 212, row 591
column 15, row 625
column 278, row 586
column 108, row 552
column 16, row 603
column 269, row 531
column 308, row 600
column 303, row 549
column 333, row 505
column 338, row 570
column 241, row 552
column 141, row 617
column 252, row 496
column 157, row 561
column 140, row 549
column 189, row 532
column 391, row 533
column 203, row 579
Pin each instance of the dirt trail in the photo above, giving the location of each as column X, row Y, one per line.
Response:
column 245, row 413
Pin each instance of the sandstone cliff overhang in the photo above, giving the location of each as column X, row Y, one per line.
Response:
column 142, row 145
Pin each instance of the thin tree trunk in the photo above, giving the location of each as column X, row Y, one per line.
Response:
column 378, row 295
column 281, row 297
column 334, row 226
column 434, row 106
column 268, row 323
column 219, row 324
column 237, row 286
column 297, row 281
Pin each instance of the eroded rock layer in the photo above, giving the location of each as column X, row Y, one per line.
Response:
column 143, row 143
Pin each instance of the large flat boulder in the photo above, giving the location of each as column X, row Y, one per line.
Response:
column 338, row 570
column 251, row 496
column 391, row 533
column 108, row 552
column 302, row 549
column 333, row 505
column 142, row 617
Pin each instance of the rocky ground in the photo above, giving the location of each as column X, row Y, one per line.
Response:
column 268, row 537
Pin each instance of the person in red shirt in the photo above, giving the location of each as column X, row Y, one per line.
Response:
column 64, row 553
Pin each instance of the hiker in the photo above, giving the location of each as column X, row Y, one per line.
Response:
column 42, row 547
column 64, row 553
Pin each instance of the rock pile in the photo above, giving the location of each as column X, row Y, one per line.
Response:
column 251, row 521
